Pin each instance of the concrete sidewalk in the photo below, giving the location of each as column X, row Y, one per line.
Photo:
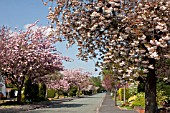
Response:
column 108, row 106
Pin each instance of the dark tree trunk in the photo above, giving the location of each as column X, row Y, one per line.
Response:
column 150, row 90
column 19, row 95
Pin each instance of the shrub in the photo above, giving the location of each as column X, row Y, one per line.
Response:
column 51, row 93
column 141, row 87
column 121, row 93
column 163, row 91
column 73, row 91
column 133, row 89
column 139, row 100
column 65, row 94
column 80, row 93
column 132, row 98
column 22, row 95
column 12, row 92
column 161, row 97
column 42, row 91
column 31, row 91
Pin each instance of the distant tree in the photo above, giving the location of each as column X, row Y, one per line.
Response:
column 108, row 82
column 97, row 82
column 56, row 82
column 76, row 77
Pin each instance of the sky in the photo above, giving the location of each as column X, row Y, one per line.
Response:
column 19, row 13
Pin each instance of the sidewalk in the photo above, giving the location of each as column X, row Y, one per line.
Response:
column 108, row 106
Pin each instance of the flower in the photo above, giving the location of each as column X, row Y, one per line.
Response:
column 145, row 71
column 152, row 42
column 120, row 70
column 167, row 37
column 145, row 62
column 109, row 10
column 95, row 14
column 94, row 27
column 167, row 56
column 152, row 49
column 143, row 37
column 163, row 8
column 151, row 67
column 122, row 63
column 155, row 55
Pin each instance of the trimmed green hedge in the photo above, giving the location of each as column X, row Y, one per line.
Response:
column 121, row 93
column 34, row 92
column 73, row 91
column 31, row 91
column 42, row 91
column 51, row 93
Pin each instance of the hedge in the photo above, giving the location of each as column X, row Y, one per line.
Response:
column 121, row 93
column 51, row 93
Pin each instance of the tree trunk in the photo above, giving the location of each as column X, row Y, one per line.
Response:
column 58, row 96
column 150, row 90
column 124, row 94
column 115, row 99
column 78, row 91
column 19, row 95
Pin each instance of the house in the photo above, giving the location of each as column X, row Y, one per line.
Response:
column 2, row 87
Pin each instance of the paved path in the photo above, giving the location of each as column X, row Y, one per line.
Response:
column 108, row 106
column 82, row 105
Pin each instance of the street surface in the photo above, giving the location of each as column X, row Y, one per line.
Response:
column 89, row 104
column 108, row 106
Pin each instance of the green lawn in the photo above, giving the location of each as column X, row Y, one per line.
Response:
column 120, row 103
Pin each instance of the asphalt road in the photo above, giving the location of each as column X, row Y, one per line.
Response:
column 88, row 104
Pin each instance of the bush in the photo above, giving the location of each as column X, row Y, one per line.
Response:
column 31, row 91
column 80, row 93
column 42, row 91
column 12, row 92
column 132, row 98
column 139, row 100
column 163, row 91
column 133, row 89
column 161, row 97
column 51, row 93
column 141, row 87
column 87, row 92
column 65, row 94
column 73, row 91
column 22, row 95
column 121, row 93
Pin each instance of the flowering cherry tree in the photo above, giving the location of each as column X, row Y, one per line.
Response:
column 28, row 54
column 57, row 82
column 108, row 82
column 76, row 77
column 135, row 33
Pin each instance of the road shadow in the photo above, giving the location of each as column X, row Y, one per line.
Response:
column 90, row 97
column 58, row 103
column 61, row 105
column 10, row 110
